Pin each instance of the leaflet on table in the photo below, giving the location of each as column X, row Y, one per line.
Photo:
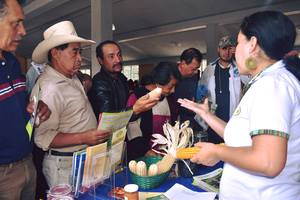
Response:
column 77, row 173
column 179, row 192
column 117, row 147
column 210, row 181
column 95, row 165
column 75, row 166
column 114, row 121
column 152, row 196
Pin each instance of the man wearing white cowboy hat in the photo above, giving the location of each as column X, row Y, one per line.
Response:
column 72, row 125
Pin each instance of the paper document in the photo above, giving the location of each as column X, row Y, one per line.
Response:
column 114, row 121
column 209, row 182
column 117, row 147
column 179, row 192
column 94, row 166
column 33, row 117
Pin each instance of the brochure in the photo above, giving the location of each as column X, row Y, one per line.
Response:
column 179, row 192
column 114, row 121
column 75, row 166
column 117, row 148
column 98, row 154
column 79, row 174
column 210, row 181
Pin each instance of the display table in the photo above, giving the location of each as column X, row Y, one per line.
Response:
column 122, row 178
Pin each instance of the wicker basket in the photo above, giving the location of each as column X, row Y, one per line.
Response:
column 148, row 182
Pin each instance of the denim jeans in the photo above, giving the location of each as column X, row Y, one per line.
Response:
column 18, row 180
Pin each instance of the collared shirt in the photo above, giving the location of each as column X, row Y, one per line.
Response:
column 270, row 106
column 32, row 75
column 71, row 111
column 14, row 141
column 209, row 80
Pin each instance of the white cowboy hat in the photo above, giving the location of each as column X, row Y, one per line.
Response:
column 58, row 34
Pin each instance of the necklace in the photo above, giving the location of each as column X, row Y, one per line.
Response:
column 220, row 82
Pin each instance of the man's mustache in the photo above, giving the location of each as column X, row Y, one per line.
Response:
column 120, row 63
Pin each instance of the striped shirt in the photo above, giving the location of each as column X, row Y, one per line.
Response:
column 14, row 141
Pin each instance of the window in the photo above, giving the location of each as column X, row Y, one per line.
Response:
column 203, row 64
column 131, row 72
column 86, row 71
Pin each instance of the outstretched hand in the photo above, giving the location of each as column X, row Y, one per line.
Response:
column 200, row 109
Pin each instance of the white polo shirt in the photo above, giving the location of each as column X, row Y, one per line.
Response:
column 270, row 106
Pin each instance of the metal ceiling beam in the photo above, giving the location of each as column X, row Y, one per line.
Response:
column 201, row 23
column 36, row 8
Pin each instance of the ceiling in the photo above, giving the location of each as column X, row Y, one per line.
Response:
column 149, row 30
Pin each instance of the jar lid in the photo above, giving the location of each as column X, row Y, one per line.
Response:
column 131, row 188
column 61, row 189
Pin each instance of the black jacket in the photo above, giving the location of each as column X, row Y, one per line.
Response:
column 108, row 93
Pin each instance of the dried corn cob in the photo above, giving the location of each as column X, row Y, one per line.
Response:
column 141, row 168
column 132, row 166
column 187, row 153
column 165, row 164
column 153, row 169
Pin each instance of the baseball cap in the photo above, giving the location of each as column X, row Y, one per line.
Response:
column 226, row 41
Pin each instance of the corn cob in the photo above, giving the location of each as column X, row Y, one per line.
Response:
column 186, row 153
column 153, row 169
column 165, row 164
column 141, row 168
column 132, row 166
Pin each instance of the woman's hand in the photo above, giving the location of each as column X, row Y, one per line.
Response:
column 201, row 109
column 144, row 103
column 207, row 154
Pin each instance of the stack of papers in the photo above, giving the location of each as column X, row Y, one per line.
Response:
column 93, row 165
column 179, row 192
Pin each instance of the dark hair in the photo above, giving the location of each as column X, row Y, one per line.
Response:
column 147, row 80
column 164, row 71
column 60, row 47
column 83, row 77
column 189, row 54
column 292, row 64
column 275, row 34
column 99, row 48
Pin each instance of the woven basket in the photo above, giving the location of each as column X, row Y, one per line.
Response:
column 148, row 182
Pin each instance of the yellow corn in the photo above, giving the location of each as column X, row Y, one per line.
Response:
column 187, row 153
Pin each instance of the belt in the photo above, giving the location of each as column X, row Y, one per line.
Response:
column 58, row 153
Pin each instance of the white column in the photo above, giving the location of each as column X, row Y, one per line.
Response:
column 101, row 27
column 211, row 42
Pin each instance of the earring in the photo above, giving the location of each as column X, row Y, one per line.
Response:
column 251, row 63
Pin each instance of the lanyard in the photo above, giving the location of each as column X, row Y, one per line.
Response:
column 252, row 81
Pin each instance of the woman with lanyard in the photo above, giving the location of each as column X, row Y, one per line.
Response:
column 262, row 151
